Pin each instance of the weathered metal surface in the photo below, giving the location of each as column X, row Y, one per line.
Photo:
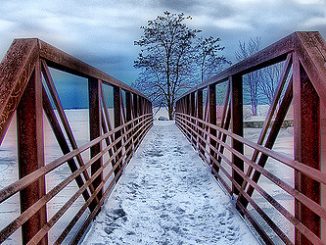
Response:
column 311, row 51
column 211, row 94
column 129, row 118
column 192, row 112
column 15, row 71
column 306, row 147
column 31, row 152
column 199, row 115
column 95, row 127
column 117, row 122
column 237, row 125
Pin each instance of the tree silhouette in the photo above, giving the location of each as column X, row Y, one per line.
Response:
column 172, row 58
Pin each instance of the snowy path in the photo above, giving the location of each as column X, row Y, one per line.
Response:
column 168, row 196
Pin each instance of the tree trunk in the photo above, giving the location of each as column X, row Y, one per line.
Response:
column 170, row 110
column 254, row 108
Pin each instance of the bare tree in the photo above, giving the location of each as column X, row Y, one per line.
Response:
column 165, row 58
column 271, row 76
column 260, row 85
column 172, row 58
column 251, row 80
column 208, row 57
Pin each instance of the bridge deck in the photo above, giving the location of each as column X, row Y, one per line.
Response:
column 168, row 196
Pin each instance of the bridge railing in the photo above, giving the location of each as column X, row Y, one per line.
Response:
column 240, row 163
column 28, row 91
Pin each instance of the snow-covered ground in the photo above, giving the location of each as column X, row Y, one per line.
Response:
column 167, row 195
column 160, row 112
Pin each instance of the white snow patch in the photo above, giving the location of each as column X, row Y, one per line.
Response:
column 168, row 196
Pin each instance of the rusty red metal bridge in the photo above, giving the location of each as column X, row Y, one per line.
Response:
column 27, row 91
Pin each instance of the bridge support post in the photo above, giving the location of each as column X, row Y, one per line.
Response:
column 237, row 126
column 192, row 113
column 31, row 153
column 128, row 119
column 188, row 113
column 200, row 116
column 211, row 93
column 95, row 124
column 306, row 147
column 323, row 166
column 136, row 114
column 117, row 123
column 141, row 112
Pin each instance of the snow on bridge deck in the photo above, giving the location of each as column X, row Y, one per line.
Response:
column 167, row 195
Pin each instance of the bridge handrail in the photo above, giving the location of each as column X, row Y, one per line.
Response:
column 222, row 144
column 27, row 89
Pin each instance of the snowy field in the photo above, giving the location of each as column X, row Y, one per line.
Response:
column 167, row 195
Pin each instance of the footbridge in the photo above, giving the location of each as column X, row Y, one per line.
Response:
column 111, row 174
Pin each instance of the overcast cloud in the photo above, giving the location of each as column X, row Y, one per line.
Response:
column 102, row 32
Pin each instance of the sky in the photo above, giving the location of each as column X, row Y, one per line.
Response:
column 102, row 33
